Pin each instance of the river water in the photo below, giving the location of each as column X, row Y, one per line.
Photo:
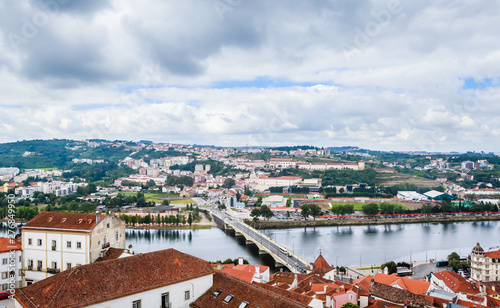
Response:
column 348, row 246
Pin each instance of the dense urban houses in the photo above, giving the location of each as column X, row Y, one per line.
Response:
column 54, row 242
column 166, row 278
column 11, row 260
column 485, row 266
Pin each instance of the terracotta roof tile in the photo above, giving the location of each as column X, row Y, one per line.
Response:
column 254, row 294
column 493, row 254
column 243, row 275
column 320, row 266
column 94, row 283
column 397, row 295
column 7, row 244
column 456, row 282
column 66, row 221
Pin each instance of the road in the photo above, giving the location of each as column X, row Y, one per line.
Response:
column 290, row 259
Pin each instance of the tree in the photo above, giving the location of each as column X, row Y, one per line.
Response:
column 453, row 256
column 370, row 209
column 315, row 210
column 392, row 267
column 289, row 202
column 165, row 202
column 229, row 183
column 305, row 210
column 190, row 219
column 266, row 212
column 349, row 305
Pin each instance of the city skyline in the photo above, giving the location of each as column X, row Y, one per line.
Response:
column 383, row 75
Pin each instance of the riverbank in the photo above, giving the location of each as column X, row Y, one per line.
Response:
column 286, row 224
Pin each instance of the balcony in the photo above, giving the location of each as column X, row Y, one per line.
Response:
column 30, row 267
column 53, row 248
column 106, row 245
column 39, row 268
column 53, row 270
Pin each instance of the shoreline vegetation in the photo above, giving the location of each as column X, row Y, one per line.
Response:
column 289, row 224
column 368, row 222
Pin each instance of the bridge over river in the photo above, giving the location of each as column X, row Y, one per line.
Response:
column 282, row 255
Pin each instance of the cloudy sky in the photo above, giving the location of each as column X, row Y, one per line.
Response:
column 388, row 75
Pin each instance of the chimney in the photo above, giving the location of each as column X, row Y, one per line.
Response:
column 97, row 217
column 240, row 260
column 257, row 269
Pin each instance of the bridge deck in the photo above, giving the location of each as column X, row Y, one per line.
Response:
column 280, row 253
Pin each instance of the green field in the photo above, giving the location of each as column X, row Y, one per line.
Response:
column 284, row 195
column 156, row 197
column 183, row 201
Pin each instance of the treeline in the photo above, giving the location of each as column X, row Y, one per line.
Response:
column 173, row 220
column 106, row 172
column 148, row 154
column 346, row 177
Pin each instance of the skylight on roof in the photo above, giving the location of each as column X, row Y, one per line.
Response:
column 89, row 221
column 243, row 304
column 50, row 219
column 63, row 220
column 79, row 221
column 228, row 298
column 217, row 293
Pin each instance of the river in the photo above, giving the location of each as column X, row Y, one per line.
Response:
column 347, row 245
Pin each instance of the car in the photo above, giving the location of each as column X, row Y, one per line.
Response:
column 4, row 294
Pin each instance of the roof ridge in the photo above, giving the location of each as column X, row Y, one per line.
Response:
column 62, row 284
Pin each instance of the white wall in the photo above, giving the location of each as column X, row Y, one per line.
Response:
column 13, row 261
column 152, row 298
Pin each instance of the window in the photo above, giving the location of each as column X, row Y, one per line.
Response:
column 68, row 265
column 68, row 244
column 39, row 265
column 5, row 275
column 107, row 225
column 116, row 236
column 30, row 264
column 79, row 245
column 136, row 304
column 39, row 242
column 165, row 300
column 5, row 261
column 186, row 295
column 30, row 241
column 228, row 298
column 54, row 243
column 5, row 286
column 243, row 304
column 54, row 265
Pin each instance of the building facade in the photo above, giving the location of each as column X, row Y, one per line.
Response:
column 10, row 263
column 53, row 242
column 485, row 266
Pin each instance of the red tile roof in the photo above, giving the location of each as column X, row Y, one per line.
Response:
column 320, row 266
column 254, row 294
column 456, row 282
column 243, row 275
column 7, row 244
column 63, row 221
column 99, row 282
column 493, row 254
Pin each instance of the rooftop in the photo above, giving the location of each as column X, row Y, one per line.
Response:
column 94, row 283
column 63, row 221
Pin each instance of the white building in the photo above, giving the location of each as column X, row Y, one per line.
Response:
column 53, row 242
column 411, row 196
column 165, row 278
column 10, row 266
column 485, row 266
column 278, row 181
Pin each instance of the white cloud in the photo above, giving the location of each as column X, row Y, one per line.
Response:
column 87, row 72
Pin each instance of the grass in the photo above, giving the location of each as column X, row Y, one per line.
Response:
column 284, row 195
column 368, row 268
column 185, row 201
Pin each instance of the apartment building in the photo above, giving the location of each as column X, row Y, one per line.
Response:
column 485, row 266
column 10, row 263
column 53, row 242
